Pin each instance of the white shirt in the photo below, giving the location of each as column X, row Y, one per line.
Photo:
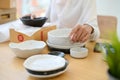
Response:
column 68, row 13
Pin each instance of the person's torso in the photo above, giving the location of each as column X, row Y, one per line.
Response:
column 66, row 13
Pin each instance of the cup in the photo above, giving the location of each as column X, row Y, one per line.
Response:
column 78, row 52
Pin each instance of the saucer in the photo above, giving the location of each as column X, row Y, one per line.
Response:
column 44, row 63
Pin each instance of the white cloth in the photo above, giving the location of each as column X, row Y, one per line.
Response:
column 68, row 13
column 4, row 30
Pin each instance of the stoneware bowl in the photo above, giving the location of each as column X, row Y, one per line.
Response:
column 79, row 52
column 36, row 22
column 61, row 37
column 27, row 48
column 45, row 66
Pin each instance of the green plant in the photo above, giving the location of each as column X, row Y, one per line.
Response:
column 113, row 57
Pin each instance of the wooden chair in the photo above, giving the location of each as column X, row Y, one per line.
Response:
column 107, row 26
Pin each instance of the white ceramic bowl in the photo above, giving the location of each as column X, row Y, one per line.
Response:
column 44, row 62
column 79, row 52
column 45, row 65
column 27, row 48
column 61, row 37
column 61, row 46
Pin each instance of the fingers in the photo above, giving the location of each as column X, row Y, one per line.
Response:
column 84, row 33
column 27, row 15
column 32, row 16
column 74, row 30
column 73, row 33
column 85, row 38
column 80, row 33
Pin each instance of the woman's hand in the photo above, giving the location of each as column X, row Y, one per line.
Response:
column 81, row 33
column 32, row 16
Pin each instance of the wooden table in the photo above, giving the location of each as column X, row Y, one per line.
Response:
column 91, row 68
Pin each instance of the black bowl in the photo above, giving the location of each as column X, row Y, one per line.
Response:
column 36, row 22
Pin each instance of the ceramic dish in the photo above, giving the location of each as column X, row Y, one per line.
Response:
column 48, row 72
column 79, row 52
column 44, row 62
column 48, row 76
column 27, row 48
column 44, row 66
column 61, row 37
column 36, row 22
column 61, row 46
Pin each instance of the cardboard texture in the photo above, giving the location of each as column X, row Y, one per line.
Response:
column 7, row 15
column 7, row 3
column 38, row 35
column 107, row 26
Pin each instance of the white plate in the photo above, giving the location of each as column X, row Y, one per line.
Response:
column 63, row 47
column 48, row 76
column 44, row 62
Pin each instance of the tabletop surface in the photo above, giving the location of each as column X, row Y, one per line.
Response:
column 93, row 67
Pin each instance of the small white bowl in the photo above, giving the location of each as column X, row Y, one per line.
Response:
column 61, row 37
column 79, row 52
column 27, row 48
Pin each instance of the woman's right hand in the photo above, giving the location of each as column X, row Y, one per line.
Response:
column 32, row 16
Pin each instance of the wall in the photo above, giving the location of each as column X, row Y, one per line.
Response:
column 29, row 6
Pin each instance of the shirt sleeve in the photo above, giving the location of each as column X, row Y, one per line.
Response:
column 47, row 13
column 89, row 16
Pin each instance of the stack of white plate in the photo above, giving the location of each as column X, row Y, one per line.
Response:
column 44, row 66
column 60, row 39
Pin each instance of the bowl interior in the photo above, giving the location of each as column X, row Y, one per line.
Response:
column 28, row 45
column 60, row 33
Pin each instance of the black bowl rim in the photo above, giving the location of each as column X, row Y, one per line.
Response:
column 35, row 19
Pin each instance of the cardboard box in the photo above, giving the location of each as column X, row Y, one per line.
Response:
column 7, row 3
column 7, row 15
column 41, row 34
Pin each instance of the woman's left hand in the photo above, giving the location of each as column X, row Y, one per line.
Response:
column 81, row 33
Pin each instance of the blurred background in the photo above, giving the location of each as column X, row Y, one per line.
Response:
column 32, row 6
column 104, row 7
column 38, row 7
